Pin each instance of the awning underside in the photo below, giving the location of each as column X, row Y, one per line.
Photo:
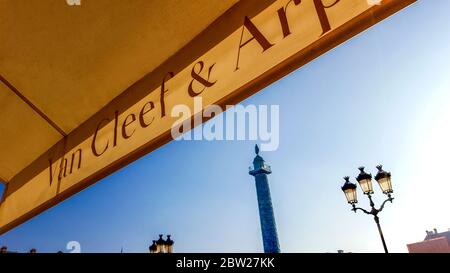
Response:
column 60, row 64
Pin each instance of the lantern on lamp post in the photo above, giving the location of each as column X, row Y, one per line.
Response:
column 349, row 190
column 365, row 182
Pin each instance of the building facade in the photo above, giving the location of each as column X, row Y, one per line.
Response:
column 434, row 242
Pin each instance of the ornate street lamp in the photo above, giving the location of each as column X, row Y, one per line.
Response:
column 161, row 245
column 365, row 182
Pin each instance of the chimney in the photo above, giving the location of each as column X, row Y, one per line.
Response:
column 435, row 231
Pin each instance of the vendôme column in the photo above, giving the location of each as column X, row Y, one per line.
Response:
column 268, row 227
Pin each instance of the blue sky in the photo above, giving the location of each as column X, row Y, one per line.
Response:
column 381, row 97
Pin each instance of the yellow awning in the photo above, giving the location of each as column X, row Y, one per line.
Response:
column 87, row 89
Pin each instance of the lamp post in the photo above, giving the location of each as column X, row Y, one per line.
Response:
column 365, row 182
column 161, row 245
